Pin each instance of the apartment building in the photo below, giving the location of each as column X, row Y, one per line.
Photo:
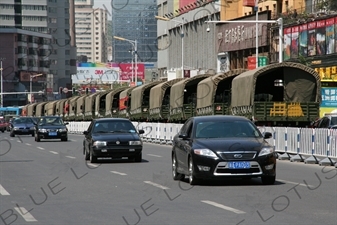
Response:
column 50, row 17
column 91, row 31
column 23, row 54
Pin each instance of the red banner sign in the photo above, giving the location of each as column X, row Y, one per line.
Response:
column 127, row 69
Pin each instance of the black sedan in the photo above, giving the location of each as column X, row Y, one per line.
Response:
column 114, row 138
column 218, row 147
column 21, row 126
column 51, row 127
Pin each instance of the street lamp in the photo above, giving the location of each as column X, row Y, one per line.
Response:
column 134, row 44
column 30, row 84
column 182, row 38
column 278, row 21
column 132, row 71
column 2, row 83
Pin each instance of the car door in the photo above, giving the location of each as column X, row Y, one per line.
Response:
column 187, row 144
column 181, row 145
column 88, row 137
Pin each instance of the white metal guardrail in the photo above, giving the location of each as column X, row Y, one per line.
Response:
column 296, row 144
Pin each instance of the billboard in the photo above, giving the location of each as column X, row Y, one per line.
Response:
column 315, row 38
column 329, row 100
column 106, row 72
column 240, row 36
column 127, row 70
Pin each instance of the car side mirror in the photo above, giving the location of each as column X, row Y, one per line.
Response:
column 85, row 132
column 267, row 135
column 183, row 136
column 66, row 123
column 141, row 131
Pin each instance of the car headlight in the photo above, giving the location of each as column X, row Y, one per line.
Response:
column 63, row 130
column 43, row 130
column 16, row 128
column 266, row 151
column 32, row 128
column 205, row 152
column 99, row 143
column 135, row 143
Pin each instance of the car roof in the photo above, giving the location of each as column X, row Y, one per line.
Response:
column 111, row 119
column 219, row 118
column 49, row 117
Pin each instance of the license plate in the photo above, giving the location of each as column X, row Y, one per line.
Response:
column 52, row 133
column 239, row 165
column 131, row 150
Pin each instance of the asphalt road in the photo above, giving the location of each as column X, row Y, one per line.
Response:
column 49, row 183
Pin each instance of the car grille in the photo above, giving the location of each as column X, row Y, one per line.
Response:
column 51, row 130
column 223, row 170
column 121, row 143
column 237, row 155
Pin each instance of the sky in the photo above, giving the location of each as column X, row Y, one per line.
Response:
column 101, row 3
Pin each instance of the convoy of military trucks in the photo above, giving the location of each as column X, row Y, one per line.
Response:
column 282, row 94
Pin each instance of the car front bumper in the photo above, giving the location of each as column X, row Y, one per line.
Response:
column 23, row 131
column 208, row 168
column 59, row 135
column 117, row 151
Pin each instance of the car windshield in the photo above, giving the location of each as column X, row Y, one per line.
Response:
column 22, row 120
column 50, row 121
column 333, row 120
column 35, row 119
column 219, row 129
column 114, row 127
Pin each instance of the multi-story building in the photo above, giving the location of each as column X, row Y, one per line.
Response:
column 23, row 54
column 134, row 20
column 91, row 31
column 48, row 17
column 186, row 41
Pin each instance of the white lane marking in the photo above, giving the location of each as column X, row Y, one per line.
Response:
column 93, row 165
column 25, row 214
column 28, row 144
column 56, row 153
column 19, row 141
column 3, row 190
column 73, row 140
column 11, row 139
column 40, row 148
column 154, row 155
column 290, row 182
column 70, row 157
column 156, row 185
column 119, row 173
column 223, row 207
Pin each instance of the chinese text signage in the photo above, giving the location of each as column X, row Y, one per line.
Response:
column 239, row 36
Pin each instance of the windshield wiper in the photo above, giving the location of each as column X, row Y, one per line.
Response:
column 101, row 131
column 120, row 131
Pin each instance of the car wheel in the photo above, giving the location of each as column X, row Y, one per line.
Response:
column 92, row 158
column 64, row 139
column 12, row 134
column 86, row 155
column 37, row 138
column 192, row 179
column 2, row 130
column 33, row 134
column 175, row 174
column 268, row 180
column 138, row 158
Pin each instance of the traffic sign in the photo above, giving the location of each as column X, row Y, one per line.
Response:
column 65, row 90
